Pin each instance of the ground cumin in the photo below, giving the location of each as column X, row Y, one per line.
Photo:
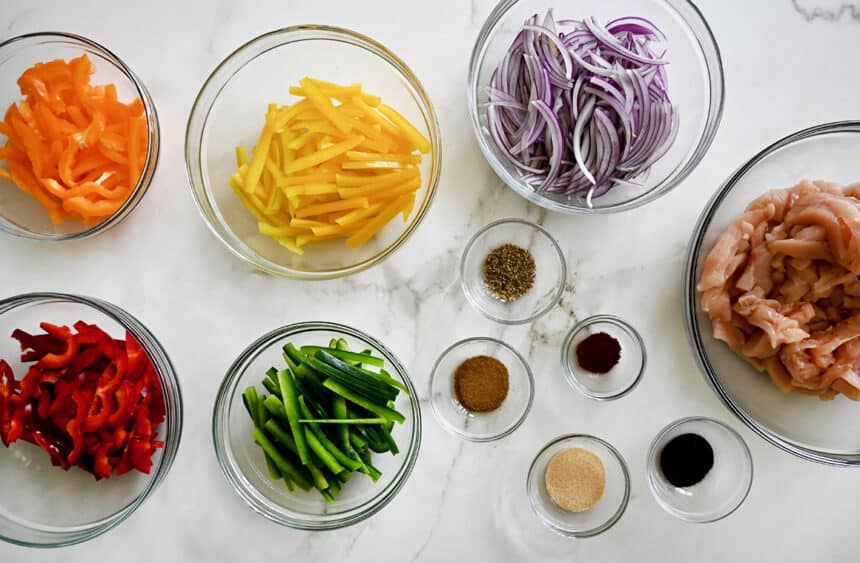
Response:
column 481, row 384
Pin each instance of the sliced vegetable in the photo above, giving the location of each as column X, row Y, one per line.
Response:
column 580, row 108
column 87, row 399
column 319, row 161
column 73, row 147
column 327, row 401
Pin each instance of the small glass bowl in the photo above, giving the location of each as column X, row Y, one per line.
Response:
column 229, row 109
column 42, row 505
column 696, row 87
column 622, row 378
column 550, row 271
column 723, row 489
column 598, row 518
column 21, row 215
column 244, row 465
column 481, row 426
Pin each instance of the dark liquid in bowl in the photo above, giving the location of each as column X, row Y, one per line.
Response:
column 686, row 460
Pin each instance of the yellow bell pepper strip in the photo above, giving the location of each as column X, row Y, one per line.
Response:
column 359, row 214
column 324, row 105
column 321, row 208
column 377, row 223
column 261, row 151
column 382, row 189
column 241, row 156
column 376, row 157
column 364, row 180
column 415, row 137
column 323, row 155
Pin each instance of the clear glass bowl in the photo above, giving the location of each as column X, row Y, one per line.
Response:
column 481, row 426
column 622, row 378
column 598, row 518
column 695, row 76
column 822, row 431
column 723, row 489
column 550, row 271
column 229, row 111
column 42, row 505
column 244, row 465
column 21, row 215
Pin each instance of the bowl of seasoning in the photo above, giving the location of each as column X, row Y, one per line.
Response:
column 481, row 389
column 87, row 158
column 603, row 357
column 512, row 271
column 578, row 485
column 699, row 469
column 596, row 106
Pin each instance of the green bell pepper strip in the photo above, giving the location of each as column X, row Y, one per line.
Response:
column 378, row 410
column 332, row 448
column 291, row 409
column 296, row 474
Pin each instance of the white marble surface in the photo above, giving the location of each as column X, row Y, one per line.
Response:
column 789, row 64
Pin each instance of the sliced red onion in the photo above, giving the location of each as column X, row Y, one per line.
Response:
column 581, row 108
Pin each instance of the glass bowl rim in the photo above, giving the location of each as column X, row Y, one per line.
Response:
column 652, row 455
column 246, row 52
column 470, row 437
column 559, row 291
column 234, row 475
column 690, row 296
column 700, row 146
column 153, row 149
column 72, row 535
column 566, row 362
column 616, row 516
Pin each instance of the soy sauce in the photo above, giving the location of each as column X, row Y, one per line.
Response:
column 686, row 460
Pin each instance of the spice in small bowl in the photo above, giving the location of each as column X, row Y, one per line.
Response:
column 575, row 479
column 578, row 485
column 598, row 353
column 481, row 384
column 509, row 272
column 481, row 389
column 603, row 357
column 512, row 271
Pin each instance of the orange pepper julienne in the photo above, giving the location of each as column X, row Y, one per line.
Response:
column 73, row 147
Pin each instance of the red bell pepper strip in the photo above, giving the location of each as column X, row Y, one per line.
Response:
column 40, row 344
column 126, row 399
column 54, row 361
column 75, row 427
column 101, row 465
column 102, row 403
column 52, row 447
column 89, row 334
column 7, row 385
column 17, row 426
column 27, row 387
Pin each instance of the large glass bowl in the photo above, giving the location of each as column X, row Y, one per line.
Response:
column 243, row 461
column 695, row 76
column 823, row 431
column 230, row 109
column 20, row 214
column 42, row 505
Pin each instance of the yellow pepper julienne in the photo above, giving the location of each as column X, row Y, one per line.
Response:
column 336, row 164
